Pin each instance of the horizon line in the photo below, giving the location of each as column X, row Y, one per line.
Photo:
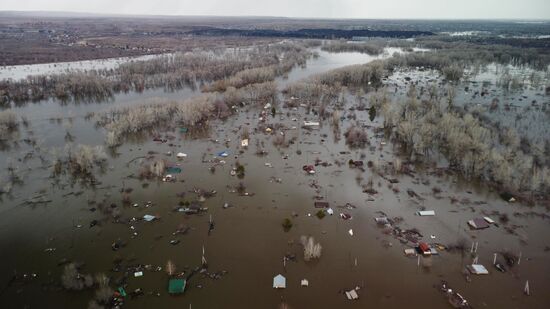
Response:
column 97, row 14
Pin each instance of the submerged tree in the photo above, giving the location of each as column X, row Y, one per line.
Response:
column 372, row 113
column 8, row 124
column 71, row 279
column 170, row 268
column 287, row 224
column 312, row 250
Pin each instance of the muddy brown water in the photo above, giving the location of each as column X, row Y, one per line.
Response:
column 248, row 241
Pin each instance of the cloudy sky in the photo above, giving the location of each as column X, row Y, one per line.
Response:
column 433, row 9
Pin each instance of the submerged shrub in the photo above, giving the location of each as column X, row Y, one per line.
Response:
column 8, row 119
column 372, row 113
column 453, row 72
column 320, row 214
column 239, row 168
column 8, row 123
column 82, row 158
column 112, row 140
column 155, row 168
column 170, row 268
column 287, row 224
column 104, row 293
column 71, row 279
column 356, row 137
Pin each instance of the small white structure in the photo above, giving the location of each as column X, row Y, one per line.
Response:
column 311, row 123
column 304, row 282
column 477, row 269
column 244, row 142
column 489, row 220
column 279, row 282
column 423, row 213
column 181, row 155
column 352, row 294
column 168, row 178
column 149, row 218
column 410, row 252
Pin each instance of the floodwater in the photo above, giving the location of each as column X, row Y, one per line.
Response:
column 248, row 241
column 329, row 61
column 17, row 72
column 525, row 109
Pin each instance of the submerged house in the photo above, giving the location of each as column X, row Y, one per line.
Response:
column 321, row 204
column 477, row 269
column 478, row 224
column 176, row 286
column 279, row 282
column 352, row 294
column 311, row 123
column 424, row 213
column 424, row 249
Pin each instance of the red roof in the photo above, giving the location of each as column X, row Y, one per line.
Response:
column 424, row 247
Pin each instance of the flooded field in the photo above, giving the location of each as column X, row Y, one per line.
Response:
column 46, row 223
column 525, row 108
column 17, row 72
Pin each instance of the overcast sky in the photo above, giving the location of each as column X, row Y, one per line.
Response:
column 433, row 9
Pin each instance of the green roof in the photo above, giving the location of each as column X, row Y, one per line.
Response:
column 176, row 286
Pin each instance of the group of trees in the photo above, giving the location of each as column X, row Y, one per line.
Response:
column 371, row 47
column 228, row 68
column 252, row 94
column 194, row 112
column 476, row 149
column 285, row 56
column 328, row 90
column 123, row 121
column 354, row 76
column 72, row 279
column 431, row 125
column 244, row 78
column 449, row 58
column 536, row 58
